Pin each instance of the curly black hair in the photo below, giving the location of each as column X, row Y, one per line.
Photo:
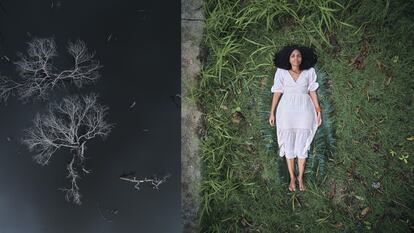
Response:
column 281, row 58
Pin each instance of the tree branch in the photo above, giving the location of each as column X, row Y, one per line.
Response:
column 155, row 182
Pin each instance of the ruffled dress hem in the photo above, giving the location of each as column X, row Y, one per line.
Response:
column 284, row 134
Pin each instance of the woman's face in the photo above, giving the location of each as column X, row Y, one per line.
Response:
column 295, row 58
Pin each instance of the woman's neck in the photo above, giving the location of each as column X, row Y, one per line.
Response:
column 295, row 69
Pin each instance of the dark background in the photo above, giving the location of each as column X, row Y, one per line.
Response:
column 142, row 64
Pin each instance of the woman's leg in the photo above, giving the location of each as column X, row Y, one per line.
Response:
column 301, row 164
column 291, row 168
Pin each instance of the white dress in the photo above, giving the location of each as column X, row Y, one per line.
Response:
column 295, row 113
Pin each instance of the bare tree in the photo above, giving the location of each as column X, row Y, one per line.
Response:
column 38, row 75
column 70, row 124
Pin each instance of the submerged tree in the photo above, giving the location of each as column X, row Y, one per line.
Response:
column 69, row 124
column 38, row 74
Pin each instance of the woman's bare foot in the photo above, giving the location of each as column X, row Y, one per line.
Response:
column 292, row 185
column 301, row 186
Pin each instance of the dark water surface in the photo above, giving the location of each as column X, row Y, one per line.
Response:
column 138, row 43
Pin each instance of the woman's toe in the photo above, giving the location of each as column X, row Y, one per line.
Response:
column 301, row 186
column 292, row 187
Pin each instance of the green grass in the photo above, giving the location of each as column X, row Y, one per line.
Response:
column 365, row 69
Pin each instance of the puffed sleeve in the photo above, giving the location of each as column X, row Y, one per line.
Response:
column 313, row 85
column 278, row 82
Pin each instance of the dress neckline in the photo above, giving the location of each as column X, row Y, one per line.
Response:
column 300, row 75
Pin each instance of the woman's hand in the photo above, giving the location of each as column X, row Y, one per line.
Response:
column 319, row 119
column 272, row 119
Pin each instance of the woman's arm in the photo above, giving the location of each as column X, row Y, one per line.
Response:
column 313, row 86
column 275, row 100
column 314, row 98
column 277, row 90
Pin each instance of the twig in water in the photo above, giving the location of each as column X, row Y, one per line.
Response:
column 102, row 215
column 155, row 181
